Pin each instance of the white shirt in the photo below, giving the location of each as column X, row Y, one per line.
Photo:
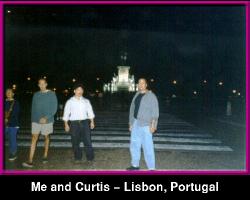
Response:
column 78, row 109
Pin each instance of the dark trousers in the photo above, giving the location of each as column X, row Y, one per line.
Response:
column 80, row 132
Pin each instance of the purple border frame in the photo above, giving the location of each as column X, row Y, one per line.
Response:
column 120, row 172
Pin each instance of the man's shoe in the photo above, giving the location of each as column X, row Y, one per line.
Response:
column 12, row 157
column 77, row 161
column 27, row 164
column 90, row 162
column 45, row 160
column 133, row 168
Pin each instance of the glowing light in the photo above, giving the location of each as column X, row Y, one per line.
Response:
column 98, row 78
column 238, row 93
column 174, row 82
column 220, row 83
column 54, row 89
column 28, row 78
column 205, row 81
column 73, row 80
column 8, row 11
column 234, row 91
column 195, row 92
column 44, row 77
column 152, row 80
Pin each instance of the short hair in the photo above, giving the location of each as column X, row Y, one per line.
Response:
column 9, row 89
column 77, row 85
column 42, row 79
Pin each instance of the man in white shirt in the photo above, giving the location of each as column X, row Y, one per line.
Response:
column 78, row 120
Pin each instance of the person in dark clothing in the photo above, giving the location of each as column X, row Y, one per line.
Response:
column 12, row 109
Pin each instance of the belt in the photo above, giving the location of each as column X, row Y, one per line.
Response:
column 78, row 121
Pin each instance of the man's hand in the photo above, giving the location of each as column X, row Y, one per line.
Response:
column 92, row 125
column 66, row 127
column 130, row 128
column 152, row 129
column 43, row 120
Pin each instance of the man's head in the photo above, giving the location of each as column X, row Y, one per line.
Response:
column 142, row 84
column 78, row 90
column 9, row 93
column 42, row 84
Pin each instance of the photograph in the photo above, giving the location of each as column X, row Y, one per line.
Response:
column 124, row 88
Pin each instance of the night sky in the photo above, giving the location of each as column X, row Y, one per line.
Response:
column 165, row 43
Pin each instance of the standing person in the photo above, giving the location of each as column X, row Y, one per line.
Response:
column 78, row 111
column 143, row 119
column 12, row 109
column 44, row 107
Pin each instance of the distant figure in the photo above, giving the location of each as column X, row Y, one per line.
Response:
column 229, row 107
column 143, row 120
column 44, row 107
column 60, row 112
column 12, row 109
column 78, row 120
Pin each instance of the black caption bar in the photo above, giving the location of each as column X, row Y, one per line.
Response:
column 166, row 187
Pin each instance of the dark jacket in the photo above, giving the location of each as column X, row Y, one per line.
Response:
column 14, row 116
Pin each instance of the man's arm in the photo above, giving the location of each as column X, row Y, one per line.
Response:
column 155, row 113
column 91, row 115
column 33, row 107
column 52, row 107
column 66, row 116
column 131, row 112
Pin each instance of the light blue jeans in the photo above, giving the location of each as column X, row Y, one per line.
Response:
column 142, row 137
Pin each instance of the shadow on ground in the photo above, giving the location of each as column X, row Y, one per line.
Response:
column 119, row 159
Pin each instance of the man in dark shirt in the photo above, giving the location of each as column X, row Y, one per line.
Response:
column 143, row 119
